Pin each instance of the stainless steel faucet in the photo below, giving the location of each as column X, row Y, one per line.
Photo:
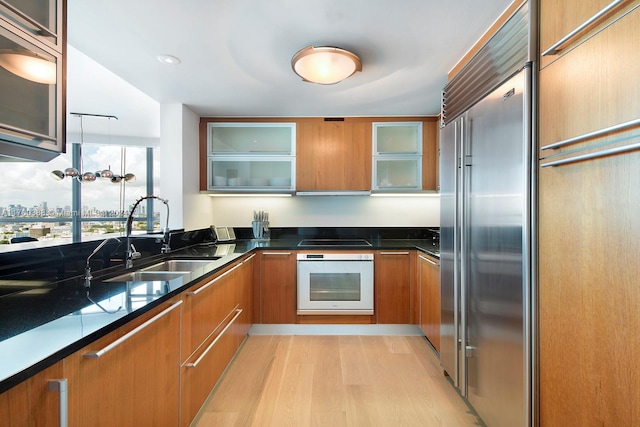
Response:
column 87, row 268
column 131, row 252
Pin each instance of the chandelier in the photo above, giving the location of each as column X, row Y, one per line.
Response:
column 87, row 176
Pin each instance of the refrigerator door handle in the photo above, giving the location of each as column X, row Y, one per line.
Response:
column 463, row 273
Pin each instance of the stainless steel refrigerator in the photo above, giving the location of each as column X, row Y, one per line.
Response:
column 486, row 187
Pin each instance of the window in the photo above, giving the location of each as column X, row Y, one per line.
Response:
column 34, row 205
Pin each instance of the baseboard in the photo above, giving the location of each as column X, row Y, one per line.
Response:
column 327, row 329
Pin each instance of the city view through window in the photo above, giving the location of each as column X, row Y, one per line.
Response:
column 33, row 205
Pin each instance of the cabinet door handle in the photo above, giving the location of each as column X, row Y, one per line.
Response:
column 246, row 260
column 394, row 253
column 276, row 253
column 595, row 155
column 615, row 128
column 210, row 346
column 556, row 47
column 61, row 387
column 202, row 288
column 102, row 352
column 427, row 259
column 30, row 20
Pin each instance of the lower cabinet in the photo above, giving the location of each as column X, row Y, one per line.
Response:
column 393, row 285
column 429, row 272
column 31, row 403
column 277, row 287
column 130, row 376
column 217, row 316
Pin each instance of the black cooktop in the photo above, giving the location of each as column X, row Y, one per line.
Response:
column 334, row 242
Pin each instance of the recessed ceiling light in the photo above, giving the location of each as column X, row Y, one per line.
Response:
column 169, row 59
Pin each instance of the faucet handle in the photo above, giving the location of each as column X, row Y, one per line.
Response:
column 134, row 253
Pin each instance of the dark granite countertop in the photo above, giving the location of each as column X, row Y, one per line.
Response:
column 41, row 326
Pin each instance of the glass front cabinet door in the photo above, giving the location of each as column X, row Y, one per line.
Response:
column 397, row 156
column 251, row 157
column 40, row 19
column 31, row 79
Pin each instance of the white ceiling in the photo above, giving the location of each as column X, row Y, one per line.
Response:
column 236, row 56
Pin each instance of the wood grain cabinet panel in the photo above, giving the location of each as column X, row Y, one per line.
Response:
column 558, row 18
column 430, row 163
column 135, row 383
column 392, row 284
column 593, row 87
column 31, row 403
column 429, row 268
column 589, row 299
column 588, row 246
column 206, row 306
column 333, row 155
column 277, row 287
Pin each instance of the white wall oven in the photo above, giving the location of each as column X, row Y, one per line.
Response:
column 339, row 283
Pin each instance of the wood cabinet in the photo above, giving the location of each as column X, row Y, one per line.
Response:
column 333, row 154
column 559, row 21
column 31, row 403
column 244, row 296
column 593, row 87
column 392, row 286
column 277, row 287
column 430, row 156
column 588, row 248
column 429, row 272
column 217, row 317
column 206, row 307
column 330, row 154
column 129, row 377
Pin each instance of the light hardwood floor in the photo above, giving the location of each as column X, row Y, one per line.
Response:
column 335, row 381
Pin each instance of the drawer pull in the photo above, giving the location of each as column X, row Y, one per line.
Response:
column 394, row 253
column 61, row 387
column 204, row 353
column 589, row 156
column 41, row 28
column 202, row 288
column 276, row 253
column 615, row 128
column 555, row 48
column 99, row 353
column 249, row 258
column 427, row 259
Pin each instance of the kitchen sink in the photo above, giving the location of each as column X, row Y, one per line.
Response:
column 148, row 276
column 182, row 265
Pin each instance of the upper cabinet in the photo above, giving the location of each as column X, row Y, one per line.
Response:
column 397, row 156
column 607, row 64
column 563, row 24
column 252, row 157
column 32, row 107
column 334, row 155
column 316, row 155
column 41, row 19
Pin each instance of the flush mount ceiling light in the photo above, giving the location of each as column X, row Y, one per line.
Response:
column 29, row 66
column 325, row 65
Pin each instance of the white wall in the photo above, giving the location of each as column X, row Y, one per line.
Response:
column 179, row 182
column 179, row 178
column 329, row 211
